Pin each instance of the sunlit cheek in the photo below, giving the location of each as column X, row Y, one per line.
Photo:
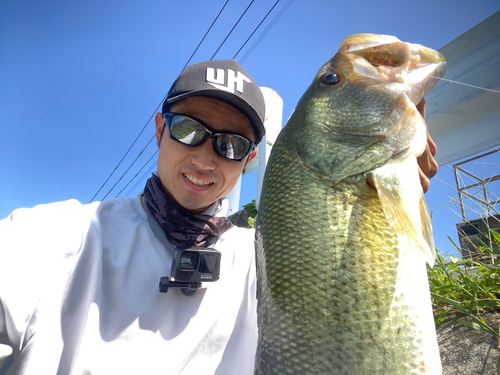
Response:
column 233, row 174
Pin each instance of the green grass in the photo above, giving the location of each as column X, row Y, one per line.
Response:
column 466, row 287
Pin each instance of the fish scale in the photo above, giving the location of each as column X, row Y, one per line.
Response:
column 340, row 289
column 346, row 290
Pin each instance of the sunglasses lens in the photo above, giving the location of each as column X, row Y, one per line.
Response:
column 191, row 133
column 232, row 146
column 187, row 131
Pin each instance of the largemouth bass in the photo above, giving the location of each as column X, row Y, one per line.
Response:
column 343, row 231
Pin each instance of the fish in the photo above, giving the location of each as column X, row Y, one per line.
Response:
column 343, row 231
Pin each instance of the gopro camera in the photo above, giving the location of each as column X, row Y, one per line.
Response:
column 190, row 267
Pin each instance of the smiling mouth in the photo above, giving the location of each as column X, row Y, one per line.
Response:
column 196, row 181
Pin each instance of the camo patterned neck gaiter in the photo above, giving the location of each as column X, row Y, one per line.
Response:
column 182, row 227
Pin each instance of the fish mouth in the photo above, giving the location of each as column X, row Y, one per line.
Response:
column 385, row 59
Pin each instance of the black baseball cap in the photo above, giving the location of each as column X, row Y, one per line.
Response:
column 225, row 80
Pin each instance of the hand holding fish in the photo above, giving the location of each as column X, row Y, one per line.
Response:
column 428, row 167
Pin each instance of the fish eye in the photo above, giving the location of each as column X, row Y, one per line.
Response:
column 330, row 79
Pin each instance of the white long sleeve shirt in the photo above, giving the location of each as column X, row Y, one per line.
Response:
column 79, row 295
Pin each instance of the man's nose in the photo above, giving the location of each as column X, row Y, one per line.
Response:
column 204, row 156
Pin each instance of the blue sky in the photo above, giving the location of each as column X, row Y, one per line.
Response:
column 80, row 79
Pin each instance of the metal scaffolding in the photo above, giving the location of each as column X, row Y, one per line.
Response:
column 474, row 234
column 483, row 182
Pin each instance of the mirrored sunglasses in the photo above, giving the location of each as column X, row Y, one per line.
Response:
column 192, row 133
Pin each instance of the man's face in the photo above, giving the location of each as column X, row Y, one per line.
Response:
column 195, row 177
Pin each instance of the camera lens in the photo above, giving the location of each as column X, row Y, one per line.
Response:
column 189, row 260
column 207, row 263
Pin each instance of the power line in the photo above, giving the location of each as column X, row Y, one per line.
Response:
column 266, row 30
column 131, row 165
column 133, row 143
column 254, row 45
column 140, row 170
column 227, row 36
column 246, row 41
column 141, row 178
column 149, row 120
column 210, row 28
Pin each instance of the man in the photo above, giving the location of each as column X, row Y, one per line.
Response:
column 79, row 283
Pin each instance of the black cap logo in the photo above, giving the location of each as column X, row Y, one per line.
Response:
column 233, row 80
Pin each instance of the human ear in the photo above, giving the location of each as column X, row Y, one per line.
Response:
column 252, row 155
column 160, row 126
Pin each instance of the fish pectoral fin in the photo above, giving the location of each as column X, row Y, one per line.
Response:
column 404, row 206
column 427, row 231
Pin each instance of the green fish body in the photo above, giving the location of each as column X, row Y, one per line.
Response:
column 343, row 231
